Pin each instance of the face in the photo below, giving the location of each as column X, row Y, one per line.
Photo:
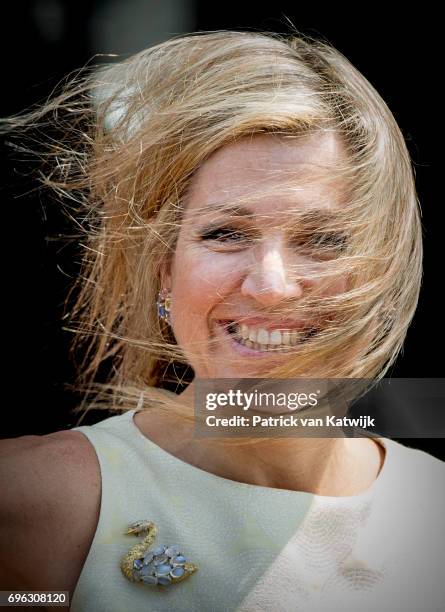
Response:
column 230, row 275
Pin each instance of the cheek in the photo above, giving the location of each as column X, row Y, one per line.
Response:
column 335, row 284
column 335, row 287
column 340, row 285
column 200, row 280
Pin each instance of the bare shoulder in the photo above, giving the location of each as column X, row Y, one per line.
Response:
column 49, row 508
column 65, row 444
column 49, row 469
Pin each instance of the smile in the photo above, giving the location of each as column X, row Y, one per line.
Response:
column 261, row 340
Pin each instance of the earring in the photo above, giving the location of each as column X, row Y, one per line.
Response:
column 164, row 304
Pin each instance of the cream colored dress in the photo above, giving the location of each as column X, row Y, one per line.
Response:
column 265, row 549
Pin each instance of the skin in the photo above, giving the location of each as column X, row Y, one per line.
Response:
column 210, row 280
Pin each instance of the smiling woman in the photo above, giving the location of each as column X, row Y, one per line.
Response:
column 249, row 210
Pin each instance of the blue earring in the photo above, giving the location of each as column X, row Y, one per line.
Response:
column 164, row 304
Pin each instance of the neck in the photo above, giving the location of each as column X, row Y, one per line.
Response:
column 323, row 466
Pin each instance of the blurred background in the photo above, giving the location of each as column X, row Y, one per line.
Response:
column 43, row 40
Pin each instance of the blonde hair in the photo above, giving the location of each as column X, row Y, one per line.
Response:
column 135, row 133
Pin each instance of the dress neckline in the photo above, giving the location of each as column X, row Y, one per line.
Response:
column 147, row 443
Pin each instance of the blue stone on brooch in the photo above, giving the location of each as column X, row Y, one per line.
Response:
column 147, row 570
column 177, row 572
column 173, row 550
column 163, row 569
column 160, row 559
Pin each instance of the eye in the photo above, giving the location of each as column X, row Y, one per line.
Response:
column 329, row 240
column 327, row 243
column 224, row 234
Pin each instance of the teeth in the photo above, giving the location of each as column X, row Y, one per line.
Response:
column 261, row 339
column 275, row 337
column 253, row 335
column 263, row 336
column 263, row 347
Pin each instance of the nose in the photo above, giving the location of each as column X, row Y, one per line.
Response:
column 269, row 280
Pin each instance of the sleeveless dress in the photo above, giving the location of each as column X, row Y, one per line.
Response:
column 265, row 549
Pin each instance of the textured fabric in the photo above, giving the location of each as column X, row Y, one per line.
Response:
column 265, row 549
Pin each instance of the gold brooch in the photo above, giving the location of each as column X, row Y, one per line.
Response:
column 163, row 565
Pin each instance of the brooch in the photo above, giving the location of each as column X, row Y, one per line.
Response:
column 163, row 565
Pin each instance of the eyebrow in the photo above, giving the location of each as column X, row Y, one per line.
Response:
column 313, row 214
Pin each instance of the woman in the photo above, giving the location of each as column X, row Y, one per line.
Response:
column 250, row 211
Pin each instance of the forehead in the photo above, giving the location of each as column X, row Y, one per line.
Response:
column 308, row 167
